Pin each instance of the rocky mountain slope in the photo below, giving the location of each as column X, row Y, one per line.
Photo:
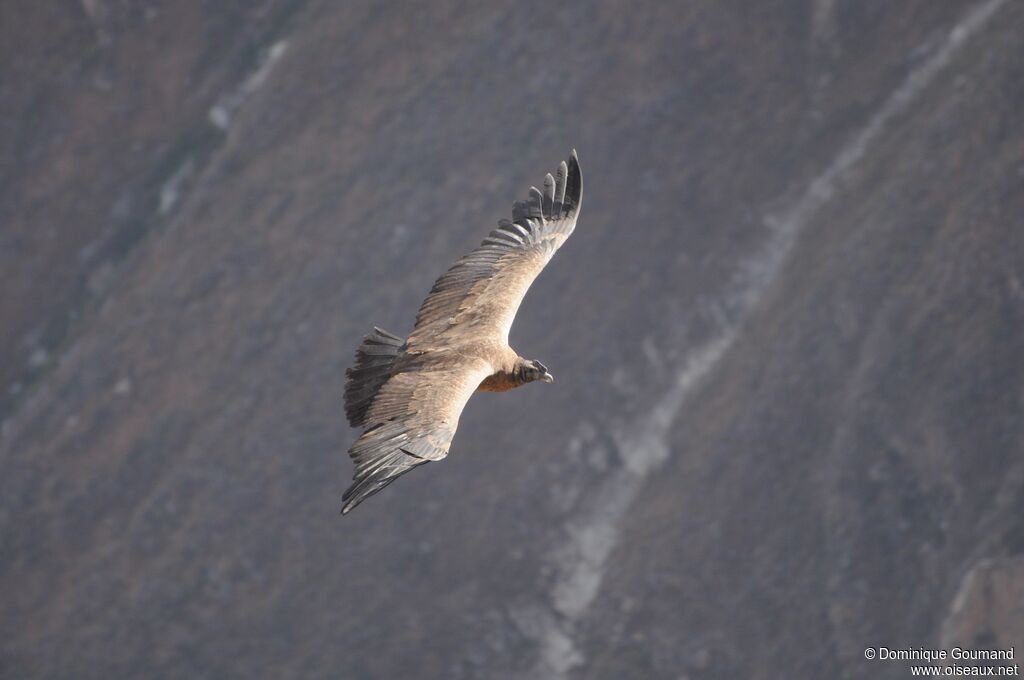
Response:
column 788, row 418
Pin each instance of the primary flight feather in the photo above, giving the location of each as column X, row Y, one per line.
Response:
column 408, row 395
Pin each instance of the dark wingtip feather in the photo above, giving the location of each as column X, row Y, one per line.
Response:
column 350, row 500
column 573, row 185
column 548, row 200
column 561, row 197
column 377, row 473
column 563, row 172
column 536, row 206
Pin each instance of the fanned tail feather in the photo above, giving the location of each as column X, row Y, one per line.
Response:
column 372, row 369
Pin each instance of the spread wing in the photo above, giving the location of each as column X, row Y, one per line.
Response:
column 482, row 291
column 411, row 422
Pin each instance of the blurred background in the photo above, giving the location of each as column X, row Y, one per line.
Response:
column 787, row 332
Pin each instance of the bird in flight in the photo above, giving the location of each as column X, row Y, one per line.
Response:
column 407, row 395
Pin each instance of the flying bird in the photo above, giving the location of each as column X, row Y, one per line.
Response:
column 408, row 394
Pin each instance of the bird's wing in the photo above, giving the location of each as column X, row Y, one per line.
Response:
column 411, row 422
column 481, row 293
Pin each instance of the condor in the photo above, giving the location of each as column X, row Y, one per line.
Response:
column 408, row 394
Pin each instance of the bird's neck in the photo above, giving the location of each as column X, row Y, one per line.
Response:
column 510, row 376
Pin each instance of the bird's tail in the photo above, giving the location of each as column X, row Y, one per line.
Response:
column 372, row 369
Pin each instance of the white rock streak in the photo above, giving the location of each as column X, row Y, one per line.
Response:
column 224, row 110
column 592, row 530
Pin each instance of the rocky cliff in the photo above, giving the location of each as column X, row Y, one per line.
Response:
column 787, row 332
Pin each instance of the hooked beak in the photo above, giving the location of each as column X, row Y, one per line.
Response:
column 547, row 377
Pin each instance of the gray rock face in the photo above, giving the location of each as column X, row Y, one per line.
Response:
column 986, row 612
column 787, row 333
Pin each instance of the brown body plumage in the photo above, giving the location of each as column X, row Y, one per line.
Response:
column 408, row 395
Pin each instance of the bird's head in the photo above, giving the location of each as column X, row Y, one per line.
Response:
column 534, row 370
